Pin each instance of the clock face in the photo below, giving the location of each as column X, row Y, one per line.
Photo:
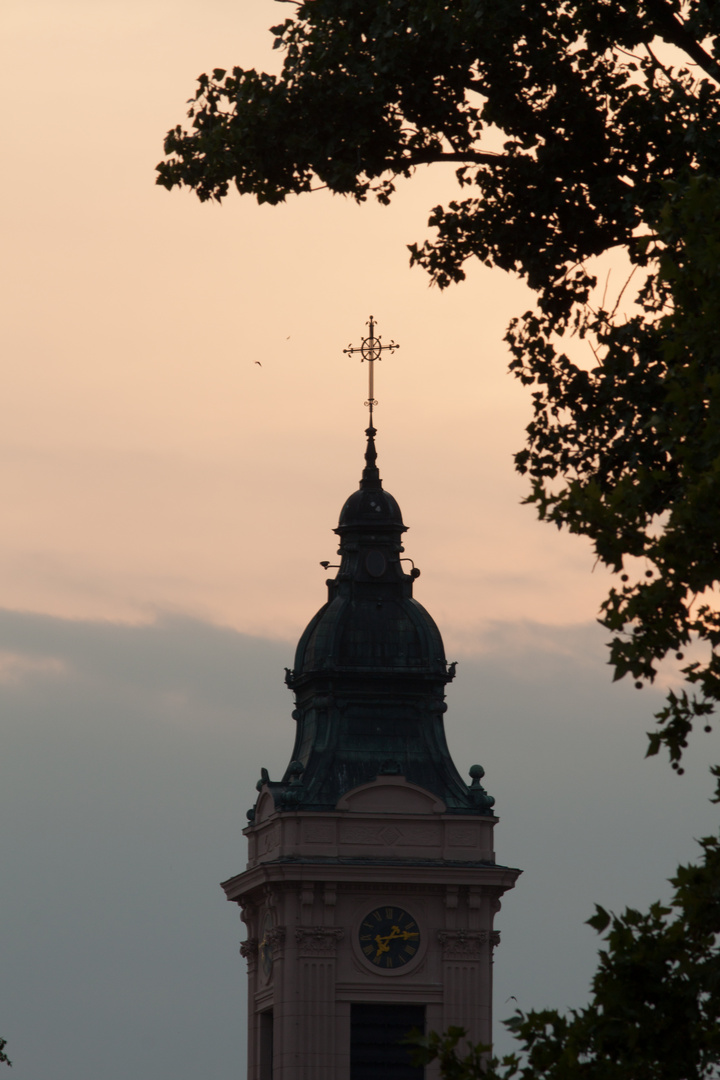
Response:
column 265, row 946
column 389, row 937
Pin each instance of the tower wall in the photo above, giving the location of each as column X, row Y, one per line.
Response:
column 312, row 880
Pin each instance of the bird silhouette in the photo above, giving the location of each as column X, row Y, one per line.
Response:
column 258, row 363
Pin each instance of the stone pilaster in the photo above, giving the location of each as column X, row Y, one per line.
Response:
column 466, row 970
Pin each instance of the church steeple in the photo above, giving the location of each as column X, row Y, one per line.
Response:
column 370, row 672
column 371, row 883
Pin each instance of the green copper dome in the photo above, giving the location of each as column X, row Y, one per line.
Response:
column 369, row 509
column 370, row 672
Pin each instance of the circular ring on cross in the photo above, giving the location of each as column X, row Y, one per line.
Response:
column 371, row 348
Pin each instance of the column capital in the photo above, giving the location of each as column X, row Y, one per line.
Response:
column 318, row 940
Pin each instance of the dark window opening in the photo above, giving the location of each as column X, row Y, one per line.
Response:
column 376, row 1050
column 266, row 1045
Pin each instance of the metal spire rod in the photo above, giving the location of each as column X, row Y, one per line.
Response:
column 371, row 350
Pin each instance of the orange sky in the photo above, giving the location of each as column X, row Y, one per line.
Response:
column 149, row 467
column 146, row 462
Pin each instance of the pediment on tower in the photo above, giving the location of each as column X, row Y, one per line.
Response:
column 391, row 795
column 264, row 807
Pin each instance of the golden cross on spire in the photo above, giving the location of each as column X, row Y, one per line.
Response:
column 371, row 350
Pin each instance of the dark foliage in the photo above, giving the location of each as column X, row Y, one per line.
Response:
column 578, row 126
column 654, row 1008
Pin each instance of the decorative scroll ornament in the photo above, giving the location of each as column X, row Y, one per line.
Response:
column 247, row 910
column 249, row 948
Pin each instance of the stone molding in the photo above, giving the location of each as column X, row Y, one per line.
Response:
column 462, row 944
column 319, row 832
column 409, row 834
column 465, row 944
column 464, row 835
column 385, row 880
column 318, row 940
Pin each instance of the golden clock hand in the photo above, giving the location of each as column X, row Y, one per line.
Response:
column 383, row 940
column 382, row 944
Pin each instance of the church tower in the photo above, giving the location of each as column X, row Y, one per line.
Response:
column 371, row 883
